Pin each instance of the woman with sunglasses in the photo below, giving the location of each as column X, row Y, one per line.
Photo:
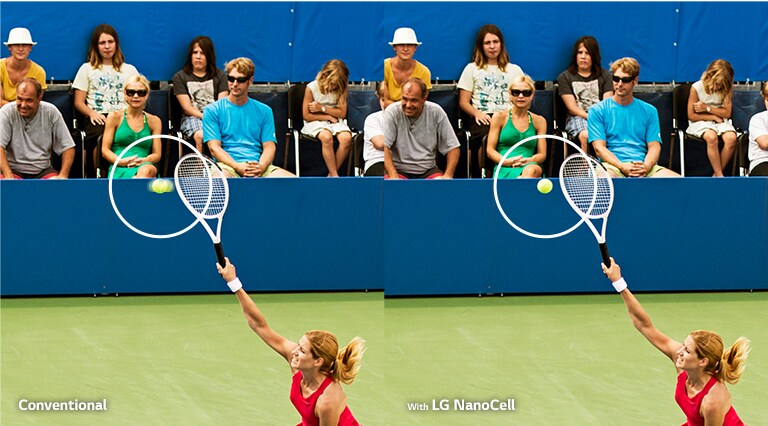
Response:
column 514, row 125
column 582, row 85
column 198, row 85
column 484, row 86
column 702, row 363
column 99, row 83
column 126, row 127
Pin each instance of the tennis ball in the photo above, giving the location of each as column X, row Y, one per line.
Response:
column 157, row 186
column 167, row 185
column 544, row 186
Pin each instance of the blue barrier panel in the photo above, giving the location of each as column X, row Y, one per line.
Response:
column 668, row 234
column 406, row 237
column 62, row 237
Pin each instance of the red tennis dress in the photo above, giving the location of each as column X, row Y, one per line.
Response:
column 306, row 406
column 691, row 406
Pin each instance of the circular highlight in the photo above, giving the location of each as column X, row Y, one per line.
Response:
column 112, row 195
column 496, row 191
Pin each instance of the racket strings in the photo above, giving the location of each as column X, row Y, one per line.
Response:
column 587, row 186
column 203, row 188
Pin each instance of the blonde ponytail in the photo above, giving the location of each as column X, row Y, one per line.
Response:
column 732, row 363
column 348, row 361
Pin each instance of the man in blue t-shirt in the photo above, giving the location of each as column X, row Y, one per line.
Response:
column 240, row 131
column 625, row 131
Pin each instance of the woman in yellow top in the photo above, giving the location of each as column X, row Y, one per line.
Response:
column 18, row 66
column 401, row 67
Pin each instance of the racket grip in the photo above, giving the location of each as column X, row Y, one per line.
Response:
column 220, row 254
column 605, row 254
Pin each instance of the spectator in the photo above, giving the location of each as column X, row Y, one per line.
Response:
column 30, row 129
column 240, row 131
column 197, row 85
column 514, row 125
column 17, row 66
column 325, row 111
column 758, row 139
column 625, row 131
column 709, row 113
column 414, row 131
column 401, row 67
column 583, row 84
column 484, row 86
column 703, row 366
column 99, row 84
column 120, row 132
column 318, row 365
column 373, row 133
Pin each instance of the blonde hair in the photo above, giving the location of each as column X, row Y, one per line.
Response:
column 138, row 78
column 523, row 79
column 334, row 73
column 719, row 74
column 764, row 90
column 628, row 65
column 725, row 365
column 341, row 365
column 242, row 65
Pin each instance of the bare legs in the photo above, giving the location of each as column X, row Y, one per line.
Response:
column 334, row 160
column 718, row 159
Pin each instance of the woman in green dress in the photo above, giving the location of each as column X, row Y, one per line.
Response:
column 512, row 126
column 126, row 127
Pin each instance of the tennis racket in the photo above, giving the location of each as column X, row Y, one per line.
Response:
column 203, row 189
column 589, row 190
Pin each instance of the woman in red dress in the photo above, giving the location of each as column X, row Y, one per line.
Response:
column 318, row 366
column 703, row 366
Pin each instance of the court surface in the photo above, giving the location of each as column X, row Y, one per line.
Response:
column 193, row 360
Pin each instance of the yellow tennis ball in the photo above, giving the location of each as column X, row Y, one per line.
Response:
column 544, row 186
column 157, row 186
column 167, row 185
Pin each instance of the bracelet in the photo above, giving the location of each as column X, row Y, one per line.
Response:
column 235, row 285
column 620, row 285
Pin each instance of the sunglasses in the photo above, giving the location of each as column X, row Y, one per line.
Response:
column 517, row 93
column 232, row 79
column 617, row 79
column 131, row 93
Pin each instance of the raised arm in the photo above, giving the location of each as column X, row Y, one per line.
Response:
column 255, row 318
column 639, row 317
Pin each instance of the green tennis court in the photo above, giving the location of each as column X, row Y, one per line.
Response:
column 193, row 359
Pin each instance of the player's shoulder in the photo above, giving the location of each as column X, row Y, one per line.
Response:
column 333, row 396
column 717, row 400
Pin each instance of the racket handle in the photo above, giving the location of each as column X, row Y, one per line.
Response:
column 220, row 254
column 604, row 253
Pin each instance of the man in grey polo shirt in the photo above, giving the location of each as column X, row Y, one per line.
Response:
column 414, row 131
column 30, row 130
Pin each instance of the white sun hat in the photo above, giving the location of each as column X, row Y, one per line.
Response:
column 404, row 36
column 19, row 36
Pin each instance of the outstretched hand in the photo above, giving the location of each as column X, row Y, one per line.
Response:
column 228, row 272
column 614, row 272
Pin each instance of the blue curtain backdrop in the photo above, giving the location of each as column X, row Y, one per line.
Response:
column 289, row 41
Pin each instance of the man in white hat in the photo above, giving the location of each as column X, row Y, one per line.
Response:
column 402, row 66
column 18, row 66
column 30, row 130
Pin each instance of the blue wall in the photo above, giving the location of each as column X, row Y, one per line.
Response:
column 408, row 238
column 289, row 41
